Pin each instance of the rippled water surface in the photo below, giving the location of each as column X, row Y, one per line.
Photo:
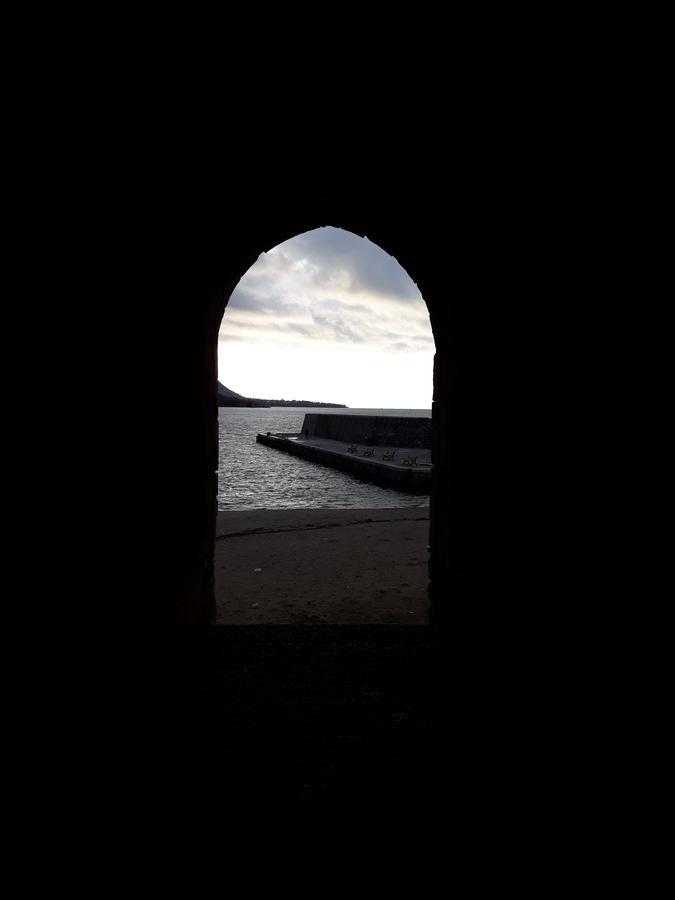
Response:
column 251, row 476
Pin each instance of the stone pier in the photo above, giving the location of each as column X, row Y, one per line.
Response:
column 385, row 450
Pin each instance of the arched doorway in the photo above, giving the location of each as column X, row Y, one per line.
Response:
column 324, row 316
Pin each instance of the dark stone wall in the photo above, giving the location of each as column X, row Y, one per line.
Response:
column 394, row 431
column 531, row 200
column 137, row 203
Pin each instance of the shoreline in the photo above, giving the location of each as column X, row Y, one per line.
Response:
column 322, row 566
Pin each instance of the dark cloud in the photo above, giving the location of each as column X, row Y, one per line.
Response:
column 241, row 298
column 336, row 327
column 267, row 304
column 333, row 251
column 297, row 328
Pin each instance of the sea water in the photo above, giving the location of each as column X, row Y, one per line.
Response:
column 252, row 476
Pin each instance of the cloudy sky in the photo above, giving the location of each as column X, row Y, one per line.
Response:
column 328, row 316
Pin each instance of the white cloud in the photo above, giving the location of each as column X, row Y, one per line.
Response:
column 334, row 304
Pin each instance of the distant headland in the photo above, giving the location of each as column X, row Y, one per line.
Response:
column 226, row 397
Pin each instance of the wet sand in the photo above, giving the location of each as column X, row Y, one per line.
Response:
column 322, row 567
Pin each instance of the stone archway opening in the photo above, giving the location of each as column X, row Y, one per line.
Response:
column 326, row 317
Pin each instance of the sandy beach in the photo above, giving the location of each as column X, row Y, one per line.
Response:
column 322, row 567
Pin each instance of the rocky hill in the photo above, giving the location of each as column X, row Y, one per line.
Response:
column 226, row 397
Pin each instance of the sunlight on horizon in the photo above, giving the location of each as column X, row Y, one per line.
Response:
column 330, row 317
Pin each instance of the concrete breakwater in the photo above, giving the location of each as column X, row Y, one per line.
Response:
column 391, row 451
column 383, row 431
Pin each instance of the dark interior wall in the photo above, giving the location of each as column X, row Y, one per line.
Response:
column 140, row 199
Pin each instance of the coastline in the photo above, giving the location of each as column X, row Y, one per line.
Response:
column 322, row 566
